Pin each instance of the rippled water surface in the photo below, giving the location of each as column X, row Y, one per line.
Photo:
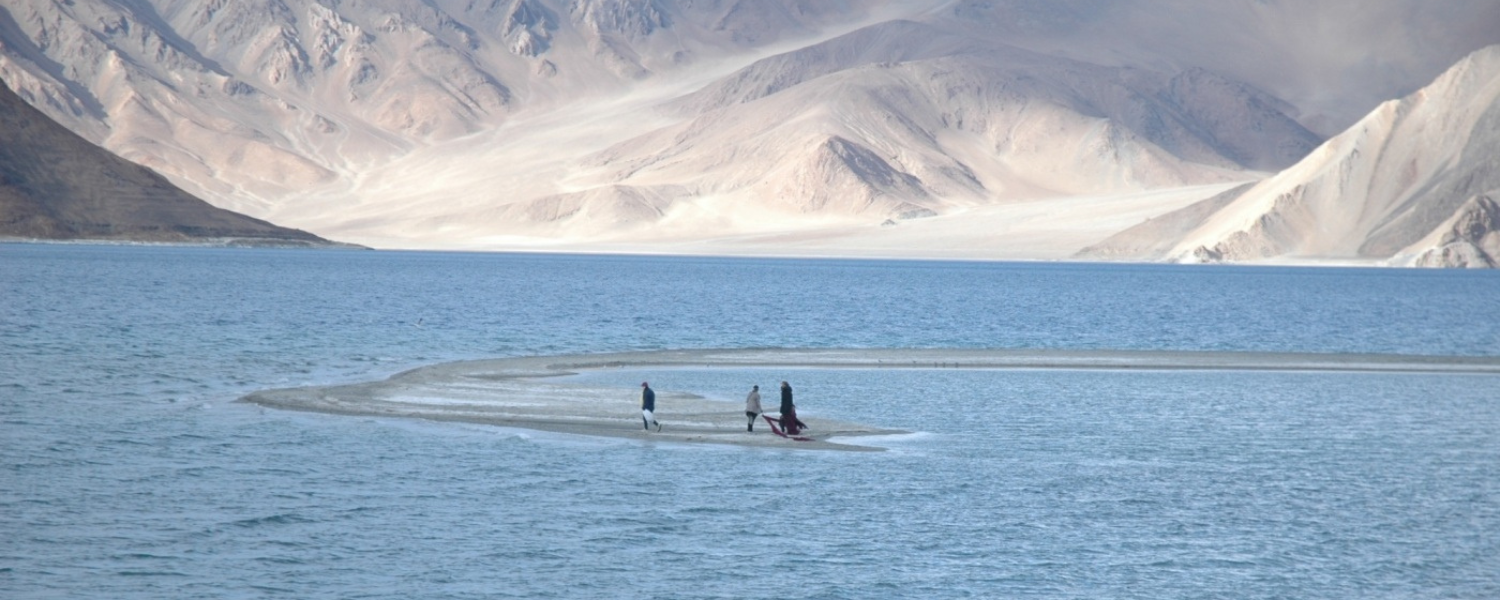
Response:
column 127, row 471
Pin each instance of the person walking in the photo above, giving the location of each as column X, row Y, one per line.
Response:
column 752, row 407
column 648, row 407
column 789, row 423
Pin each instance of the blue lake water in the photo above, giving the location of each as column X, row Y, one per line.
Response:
column 127, row 471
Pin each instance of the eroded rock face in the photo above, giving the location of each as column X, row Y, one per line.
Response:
column 1471, row 239
column 529, row 27
column 629, row 18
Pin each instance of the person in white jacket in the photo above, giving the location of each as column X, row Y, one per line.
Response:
column 752, row 407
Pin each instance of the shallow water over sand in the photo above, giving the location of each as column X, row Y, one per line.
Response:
column 539, row 392
column 130, row 473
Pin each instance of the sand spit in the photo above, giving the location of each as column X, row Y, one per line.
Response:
column 523, row 392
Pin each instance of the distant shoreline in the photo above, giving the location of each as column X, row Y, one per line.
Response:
column 648, row 252
column 227, row 242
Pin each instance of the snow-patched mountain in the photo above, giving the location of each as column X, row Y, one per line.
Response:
column 517, row 123
column 1413, row 183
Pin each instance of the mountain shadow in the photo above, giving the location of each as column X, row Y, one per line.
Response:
column 55, row 185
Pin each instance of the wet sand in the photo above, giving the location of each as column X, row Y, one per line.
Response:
column 525, row 392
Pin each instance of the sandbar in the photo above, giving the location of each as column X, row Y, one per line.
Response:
column 525, row 392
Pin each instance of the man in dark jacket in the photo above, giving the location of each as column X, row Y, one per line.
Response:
column 648, row 407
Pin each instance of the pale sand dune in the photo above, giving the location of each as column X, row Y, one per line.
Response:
column 1046, row 230
column 525, row 392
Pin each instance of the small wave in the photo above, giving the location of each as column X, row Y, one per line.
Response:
column 280, row 519
column 280, row 560
column 145, row 556
column 706, row 510
column 882, row 440
column 151, row 574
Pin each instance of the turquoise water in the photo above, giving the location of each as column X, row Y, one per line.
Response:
column 128, row 472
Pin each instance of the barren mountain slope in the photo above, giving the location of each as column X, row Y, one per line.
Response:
column 1469, row 239
column 924, row 80
column 55, row 185
column 891, row 121
column 247, row 101
column 1412, row 183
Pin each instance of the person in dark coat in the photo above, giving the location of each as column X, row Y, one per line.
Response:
column 789, row 422
column 648, row 407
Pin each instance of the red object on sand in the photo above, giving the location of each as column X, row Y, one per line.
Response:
column 776, row 429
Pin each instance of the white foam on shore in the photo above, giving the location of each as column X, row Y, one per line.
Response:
column 893, row 441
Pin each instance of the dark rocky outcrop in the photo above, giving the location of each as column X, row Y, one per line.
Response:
column 54, row 185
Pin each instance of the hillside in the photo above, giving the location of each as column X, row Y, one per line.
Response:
column 55, row 185
column 1413, row 183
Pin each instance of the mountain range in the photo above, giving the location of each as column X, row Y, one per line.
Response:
column 1028, row 129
